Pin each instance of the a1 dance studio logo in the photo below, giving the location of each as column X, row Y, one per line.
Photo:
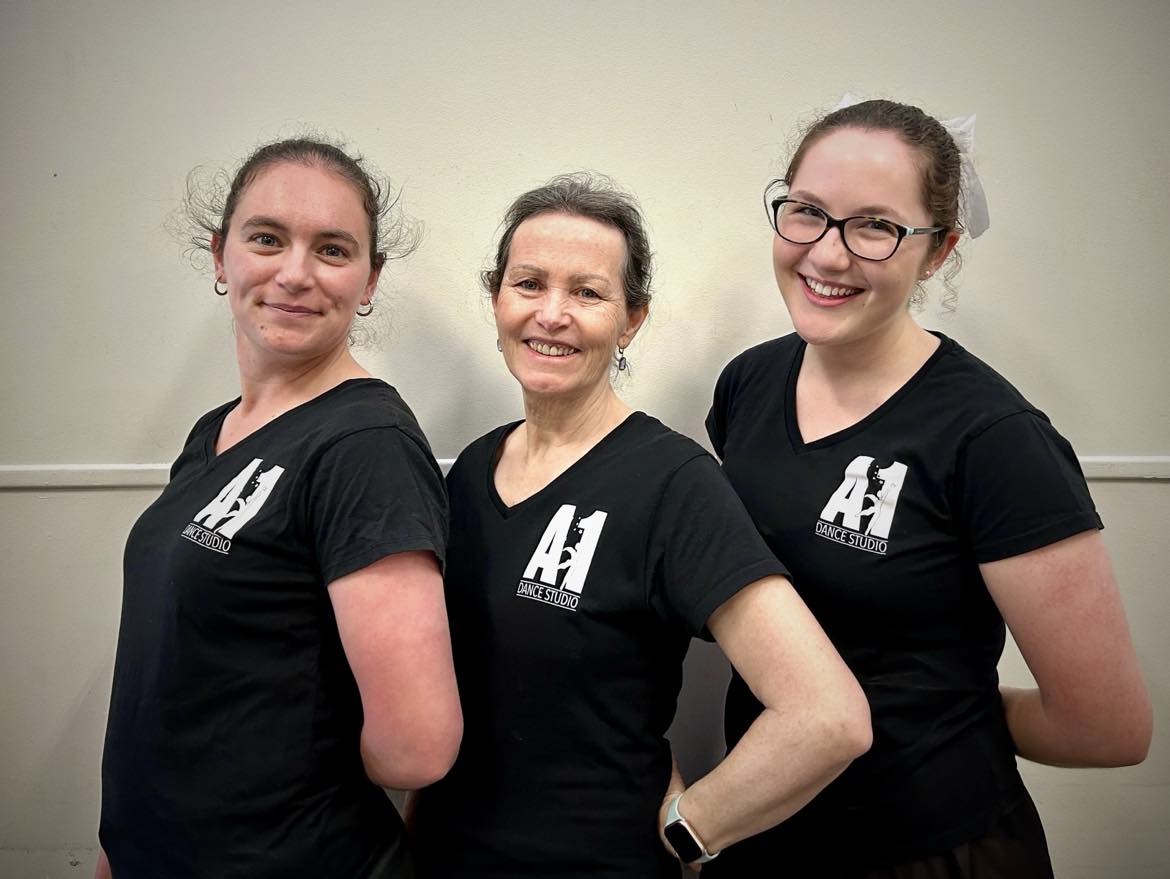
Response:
column 237, row 504
column 861, row 510
column 557, row 570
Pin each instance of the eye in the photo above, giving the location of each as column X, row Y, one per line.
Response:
column 334, row 252
column 265, row 239
column 588, row 293
column 875, row 228
column 526, row 285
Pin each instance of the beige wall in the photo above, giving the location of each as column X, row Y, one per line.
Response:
column 111, row 345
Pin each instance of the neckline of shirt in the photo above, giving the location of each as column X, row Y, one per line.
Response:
column 945, row 346
column 211, row 457
column 593, row 451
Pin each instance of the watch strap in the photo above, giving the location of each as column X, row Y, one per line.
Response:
column 673, row 817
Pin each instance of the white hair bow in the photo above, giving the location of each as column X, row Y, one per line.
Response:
column 973, row 202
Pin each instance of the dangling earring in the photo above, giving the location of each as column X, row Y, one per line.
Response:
column 215, row 287
column 622, row 363
column 369, row 309
column 499, row 345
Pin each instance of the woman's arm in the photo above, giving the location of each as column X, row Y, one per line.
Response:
column 814, row 723
column 393, row 624
column 1063, row 608
column 102, row 870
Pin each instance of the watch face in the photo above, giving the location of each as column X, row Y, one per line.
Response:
column 682, row 842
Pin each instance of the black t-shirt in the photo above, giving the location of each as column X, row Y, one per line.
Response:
column 883, row 526
column 232, row 741
column 571, row 613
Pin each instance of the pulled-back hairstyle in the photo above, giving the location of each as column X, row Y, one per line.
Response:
column 597, row 197
column 209, row 207
column 939, row 161
column 934, row 144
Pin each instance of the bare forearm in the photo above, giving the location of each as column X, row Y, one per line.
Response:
column 780, row 764
column 1043, row 735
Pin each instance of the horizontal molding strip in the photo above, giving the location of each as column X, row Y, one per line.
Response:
column 1098, row 468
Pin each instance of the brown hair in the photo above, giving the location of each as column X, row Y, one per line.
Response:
column 597, row 197
column 210, row 208
column 940, row 162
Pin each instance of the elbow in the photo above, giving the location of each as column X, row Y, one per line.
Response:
column 846, row 726
column 857, row 727
column 1131, row 746
column 412, row 761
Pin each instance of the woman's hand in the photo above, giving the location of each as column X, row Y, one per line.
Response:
column 673, row 789
column 1063, row 608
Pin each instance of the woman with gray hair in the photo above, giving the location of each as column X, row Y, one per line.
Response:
column 588, row 544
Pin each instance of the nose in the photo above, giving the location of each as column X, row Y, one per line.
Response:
column 552, row 313
column 294, row 273
column 830, row 252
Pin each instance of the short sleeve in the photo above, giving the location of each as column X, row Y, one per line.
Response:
column 374, row 493
column 717, row 414
column 1019, row 486
column 704, row 546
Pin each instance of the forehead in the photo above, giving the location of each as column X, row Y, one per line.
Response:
column 308, row 195
column 852, row 168
column 569, row 243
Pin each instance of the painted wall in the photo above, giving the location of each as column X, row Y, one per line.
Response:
column 111, row 343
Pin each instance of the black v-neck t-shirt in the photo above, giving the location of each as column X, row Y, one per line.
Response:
column 883, row 526
column 232, row 746
column 571, row 613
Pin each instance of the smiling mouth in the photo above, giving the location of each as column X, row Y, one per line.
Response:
column 548, row 349
column 829, row 291
column 290, row 309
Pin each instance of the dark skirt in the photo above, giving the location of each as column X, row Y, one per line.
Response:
column 1013, row 847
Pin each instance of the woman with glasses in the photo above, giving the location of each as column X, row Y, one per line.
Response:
column 920, row 503
column 589, row 543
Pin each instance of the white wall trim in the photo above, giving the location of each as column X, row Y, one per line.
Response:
column 1098, row 468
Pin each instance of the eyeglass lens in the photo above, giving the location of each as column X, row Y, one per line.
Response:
column 868, row 237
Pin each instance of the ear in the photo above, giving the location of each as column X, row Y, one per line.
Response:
column 217, row 254
column 940, row 255
column 372, row 279
column 635, row 317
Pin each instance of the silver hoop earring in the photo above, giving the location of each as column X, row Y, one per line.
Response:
column 622, row 363
column 369, row 309
column 499, row 345
column 215, row 287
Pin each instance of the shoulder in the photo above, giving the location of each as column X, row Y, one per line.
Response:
column 651, row 445
column 477, row 455
column 979, row 395
column 207, row 419
column 362, row 403
column 766, row 356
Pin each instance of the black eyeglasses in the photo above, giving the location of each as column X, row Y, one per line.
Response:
column 872, row 238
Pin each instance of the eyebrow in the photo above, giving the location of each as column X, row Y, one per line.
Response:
column 874, row 210
column 273, row 223
column 540, row 270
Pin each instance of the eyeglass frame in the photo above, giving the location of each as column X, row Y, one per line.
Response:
column 772, row 208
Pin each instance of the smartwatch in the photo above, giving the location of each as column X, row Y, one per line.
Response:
column 682, row 836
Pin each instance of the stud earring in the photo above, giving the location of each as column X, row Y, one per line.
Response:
column 499, row 345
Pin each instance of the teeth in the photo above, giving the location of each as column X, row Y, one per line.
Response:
column 550, row 350
column 825, row 290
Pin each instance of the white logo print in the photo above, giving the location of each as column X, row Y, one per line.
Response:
column 240, row 500
column 557, row 570
column 861, row 510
